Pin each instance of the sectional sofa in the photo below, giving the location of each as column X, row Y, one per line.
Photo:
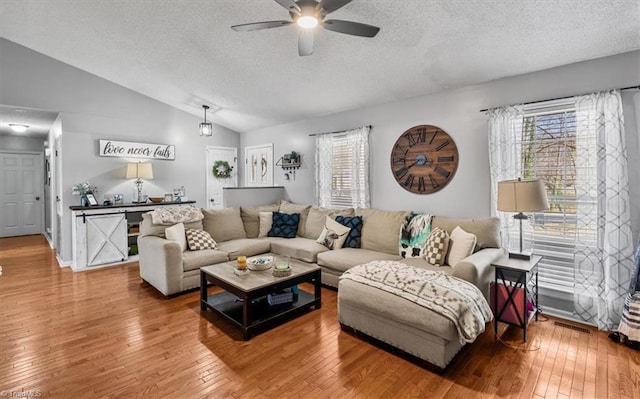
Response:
column 408, row 326
column 170, row 270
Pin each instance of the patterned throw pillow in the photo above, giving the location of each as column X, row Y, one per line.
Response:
column 355, row 235
column 333, row 234
column 437, row 246
column 414, row 234
column 284, row 225
column 199, row 239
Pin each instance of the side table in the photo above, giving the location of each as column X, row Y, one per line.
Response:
column 510, row 294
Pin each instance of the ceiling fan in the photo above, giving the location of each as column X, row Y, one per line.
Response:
column 308, row 14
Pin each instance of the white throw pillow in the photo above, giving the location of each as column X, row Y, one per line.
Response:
column 266, row 222
column 461, row 245
column 333, row 234
column 176, row 233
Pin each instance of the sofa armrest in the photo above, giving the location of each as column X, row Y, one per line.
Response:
column 476, row 268
column 161, row 263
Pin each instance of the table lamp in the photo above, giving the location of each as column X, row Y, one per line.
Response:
column 521, row 196
column 139, row 171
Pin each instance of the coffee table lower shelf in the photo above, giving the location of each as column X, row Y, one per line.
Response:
column 263, row 315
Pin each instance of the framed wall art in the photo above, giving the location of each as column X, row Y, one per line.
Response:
column 259, row 165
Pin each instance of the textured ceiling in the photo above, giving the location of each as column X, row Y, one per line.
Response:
column 184, row 53
column 39, row 122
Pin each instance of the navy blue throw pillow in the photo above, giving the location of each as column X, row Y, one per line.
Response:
column 284, row 225
column 355, row 235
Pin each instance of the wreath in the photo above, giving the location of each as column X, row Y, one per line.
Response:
column 222, row 170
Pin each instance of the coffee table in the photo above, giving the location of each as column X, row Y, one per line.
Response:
column 243, row 301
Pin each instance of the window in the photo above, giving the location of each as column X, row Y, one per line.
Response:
column 547, row 148
column 342, row 169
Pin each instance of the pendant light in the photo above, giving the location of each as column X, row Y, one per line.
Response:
column 206, row 128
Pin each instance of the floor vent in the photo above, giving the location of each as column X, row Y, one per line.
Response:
column 572, row 327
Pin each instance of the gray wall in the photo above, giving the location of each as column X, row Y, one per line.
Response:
column 17, row 143
column 457, row 112
column 93, row 108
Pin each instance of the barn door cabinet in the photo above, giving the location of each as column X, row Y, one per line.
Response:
column 107, row 235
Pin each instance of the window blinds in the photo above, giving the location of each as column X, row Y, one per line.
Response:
column 555, row 145
column 349, row 167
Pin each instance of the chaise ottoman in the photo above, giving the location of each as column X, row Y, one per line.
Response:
column 402, row 323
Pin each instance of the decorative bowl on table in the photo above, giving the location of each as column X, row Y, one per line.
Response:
column 260, row 262
column 156, row 200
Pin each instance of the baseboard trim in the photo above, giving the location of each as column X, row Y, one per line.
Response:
column 46, row 236
column 62, row 263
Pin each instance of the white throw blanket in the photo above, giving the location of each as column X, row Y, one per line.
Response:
column 456, row 299
column 176, row 214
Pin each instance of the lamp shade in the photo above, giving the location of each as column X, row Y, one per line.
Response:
column 522, row 196
column 139, row 170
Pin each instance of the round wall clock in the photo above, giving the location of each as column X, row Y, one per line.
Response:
column 424, row 159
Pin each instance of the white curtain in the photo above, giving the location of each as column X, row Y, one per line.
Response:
column 505, row 129
column 602, row 269
column 323, row 172
column 357, row 143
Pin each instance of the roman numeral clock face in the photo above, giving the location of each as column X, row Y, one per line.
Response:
column 424, row 159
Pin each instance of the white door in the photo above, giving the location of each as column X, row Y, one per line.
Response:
column 215, row 185
column 258, row 161
column 21, row 187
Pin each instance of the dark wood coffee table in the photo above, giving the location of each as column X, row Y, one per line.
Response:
column 243, row 301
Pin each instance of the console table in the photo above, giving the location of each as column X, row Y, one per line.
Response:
column 103, row 235
column 510, row 292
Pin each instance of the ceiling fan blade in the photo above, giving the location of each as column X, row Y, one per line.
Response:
column 332, row 5
column 289, row 5
column 305, row 42
column 260, row 25
column 351, row 28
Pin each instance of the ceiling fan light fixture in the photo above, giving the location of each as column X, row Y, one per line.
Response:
column 18, row 127
column 307, row 22
column 206, row 128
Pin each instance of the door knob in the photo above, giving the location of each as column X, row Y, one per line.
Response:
column 212, row 200
column 37, row 198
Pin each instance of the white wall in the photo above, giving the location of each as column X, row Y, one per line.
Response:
column 457, row 112
column 17, row 143
column 93, row 108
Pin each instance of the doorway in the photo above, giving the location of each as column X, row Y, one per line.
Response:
column 215, row 185
column 21, row 196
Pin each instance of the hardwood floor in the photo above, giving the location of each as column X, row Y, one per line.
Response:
column 106, row 334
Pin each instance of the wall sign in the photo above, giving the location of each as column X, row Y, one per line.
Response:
column 128, row 149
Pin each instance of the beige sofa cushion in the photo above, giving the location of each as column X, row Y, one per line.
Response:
column 345, row 258
column 147, row 228
column 487, row 230
column 300, row 248
column 224, row 224
column 192, row 260
column 266, row 223
column 303, row 210
column 244, row 246
column 251, row 218
column 316, row 218
column 177, row 233
column 381, row 229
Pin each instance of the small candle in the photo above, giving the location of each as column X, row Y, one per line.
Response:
column 282, row 265
column 242, row 262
